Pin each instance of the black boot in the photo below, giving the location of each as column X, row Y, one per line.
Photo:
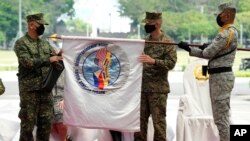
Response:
column 116, row 135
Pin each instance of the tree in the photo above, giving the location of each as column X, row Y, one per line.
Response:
column 53, row 9
column 135, row 9
column 180, row 25
column 181, row 17
column 243, row 5
column 8, row 20
column 243, row 18
column 77, row 26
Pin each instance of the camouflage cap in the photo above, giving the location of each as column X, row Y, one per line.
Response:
column 37, row 17
column 225, row 6
column 151, row 17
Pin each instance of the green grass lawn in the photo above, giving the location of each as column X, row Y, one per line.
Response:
column 8, row 61
column 7, row 57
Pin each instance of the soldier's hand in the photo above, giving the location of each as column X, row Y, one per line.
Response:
column 59, row 53
column 146, row 59
column 54, row 59
column 203, row 46
column 184, row 45
column 61, row 104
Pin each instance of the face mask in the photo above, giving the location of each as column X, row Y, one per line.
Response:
column 219, row 22
column 149, row 28
column 40, row 30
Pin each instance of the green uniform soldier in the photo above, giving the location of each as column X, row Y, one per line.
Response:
column 221, row 55
column 35, row 56
column 58, row 128
column 157, row 60
column 2, row 88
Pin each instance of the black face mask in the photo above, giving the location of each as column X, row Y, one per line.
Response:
column 40, row 30
column 219, row 22
column 149, row 28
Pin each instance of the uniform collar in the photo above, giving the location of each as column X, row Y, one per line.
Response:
column 158, row 39
column 31, row 39
column 225, row 27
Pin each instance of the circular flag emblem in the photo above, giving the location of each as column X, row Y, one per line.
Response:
column 101, row 68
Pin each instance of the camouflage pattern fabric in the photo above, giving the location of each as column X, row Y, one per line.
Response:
column 2, row 88
column 153, row 104
column 151, row 17
column 155, row 77
column 33, row 62
column 155, row 88
column 36, row 109
column 36, row 105
column 221, row 84
column 57, row 92
column 218, row 47
column 38, row 18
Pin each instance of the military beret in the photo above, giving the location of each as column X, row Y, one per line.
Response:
column 225, row 6
column 37, row 17
column 151, row 17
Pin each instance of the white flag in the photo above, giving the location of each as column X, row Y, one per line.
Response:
column 102, row 82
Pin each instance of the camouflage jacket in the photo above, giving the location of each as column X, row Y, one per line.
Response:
column 2, row 88
column 223, row 43
column 58, row 89
column 155, row 77
column 33, row 62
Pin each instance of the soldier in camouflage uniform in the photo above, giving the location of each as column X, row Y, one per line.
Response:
column 157, row 60
column 35, row 56
column 57, row 126
column 221, row 54
column 2, row 88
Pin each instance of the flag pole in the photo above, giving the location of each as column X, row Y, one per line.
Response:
column 192, row 45
column 55, row 37
column 169, row 43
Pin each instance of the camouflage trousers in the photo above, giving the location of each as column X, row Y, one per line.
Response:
column 153, row 104
column 221, row 86
column 36, row 109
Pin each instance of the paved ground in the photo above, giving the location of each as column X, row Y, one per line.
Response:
column 240, row 101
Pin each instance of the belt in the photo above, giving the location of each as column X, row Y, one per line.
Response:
column 219, row 70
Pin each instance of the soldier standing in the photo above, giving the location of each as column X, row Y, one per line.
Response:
column 157, row 60
column 221, row 55
column 57, row 125
column 35, row 56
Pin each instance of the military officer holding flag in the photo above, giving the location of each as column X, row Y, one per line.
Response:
column 157, row 60
column 35, row 56
column 221, row 55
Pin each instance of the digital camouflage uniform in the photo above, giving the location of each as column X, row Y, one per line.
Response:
column 36, row 106
column 221, row 84
column 155, row 88
column 57, row 92
column 2, row 88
